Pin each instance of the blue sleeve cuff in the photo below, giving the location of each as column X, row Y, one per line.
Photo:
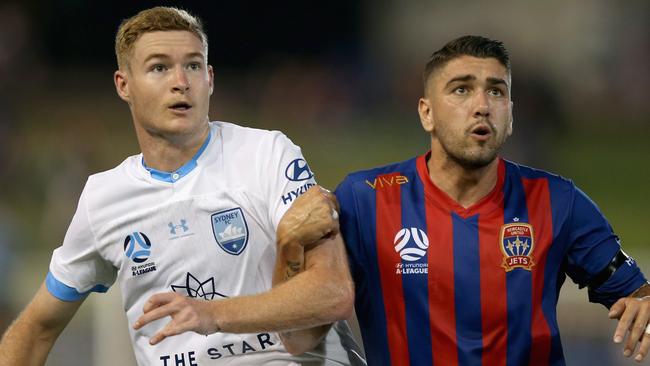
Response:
column 627, row 279
column 64, row 292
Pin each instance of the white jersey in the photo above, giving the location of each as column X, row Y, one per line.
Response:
column 206, row 231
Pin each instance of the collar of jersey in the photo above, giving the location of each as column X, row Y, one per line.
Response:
column 171, row 177
column 490, row 202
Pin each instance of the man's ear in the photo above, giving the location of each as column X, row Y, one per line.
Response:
column 426, row 114
column 509, row 130
column 211, row 76
column 121, row 80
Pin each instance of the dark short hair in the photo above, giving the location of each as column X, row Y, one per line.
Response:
column 475, row 46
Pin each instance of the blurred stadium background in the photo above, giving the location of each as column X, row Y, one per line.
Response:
column 342, row 79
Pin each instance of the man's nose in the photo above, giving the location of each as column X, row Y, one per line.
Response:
column 481, row 105
column 181, row 82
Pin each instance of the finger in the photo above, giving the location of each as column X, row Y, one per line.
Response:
column 170, row 330
column 644, row 347
column 158, row 300
column 153, row 315
column 330, row 197
column 625, row 321
column 617, row 309
column 638, row 329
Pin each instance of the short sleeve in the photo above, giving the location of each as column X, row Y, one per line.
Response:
column 349, row 223
column 77, row 268
column 287, row 173
column 593, row 245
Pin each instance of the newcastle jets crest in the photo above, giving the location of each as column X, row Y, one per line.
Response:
column 517, row 246
column 230, row 230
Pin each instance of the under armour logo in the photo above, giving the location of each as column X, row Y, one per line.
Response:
column 182, row 225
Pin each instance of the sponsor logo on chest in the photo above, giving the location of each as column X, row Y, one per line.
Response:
column 387, row 181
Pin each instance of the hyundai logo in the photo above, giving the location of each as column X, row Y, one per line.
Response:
column 298, row 170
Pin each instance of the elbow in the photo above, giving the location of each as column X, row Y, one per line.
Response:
column 295, row 349
column 344, row 301
column 299, row 342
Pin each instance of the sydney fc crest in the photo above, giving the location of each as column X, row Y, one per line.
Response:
column 230, row 230
column 517, row 246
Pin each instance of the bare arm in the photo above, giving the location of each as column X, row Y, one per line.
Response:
column 319, row 295
column 288, row 266
column 292, row 259
column 30, row 338
column 633, row 314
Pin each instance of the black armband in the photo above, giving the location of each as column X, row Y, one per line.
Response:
column 601, row 277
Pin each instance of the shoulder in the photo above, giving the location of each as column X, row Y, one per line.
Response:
column 239, row 135
column 514, row 170
column 118, row 175
column 405, row 168
column 364, row 182
column 115, row 186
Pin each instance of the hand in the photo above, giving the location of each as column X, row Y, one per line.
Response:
column 187, row 315
column 313, row 216
column 633, row 314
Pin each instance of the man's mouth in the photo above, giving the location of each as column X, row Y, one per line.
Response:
column 180, row 106
column 481, row 131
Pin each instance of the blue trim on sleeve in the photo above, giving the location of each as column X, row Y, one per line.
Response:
column 64, row 292
column 171, row 177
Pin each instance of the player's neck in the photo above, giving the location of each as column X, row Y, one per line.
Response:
column 463, row 185
column 169, row 153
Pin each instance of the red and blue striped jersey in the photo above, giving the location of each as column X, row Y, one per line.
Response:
column 439, row 284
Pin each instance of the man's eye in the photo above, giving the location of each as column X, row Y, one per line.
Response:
column 461, row 90
column 158, row 68
column 495, row 92
column 194, row 66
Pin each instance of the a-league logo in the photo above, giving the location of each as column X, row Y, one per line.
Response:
column 411, row 253
column 137, row 246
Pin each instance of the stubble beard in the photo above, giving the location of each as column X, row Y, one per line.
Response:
column 472, row 157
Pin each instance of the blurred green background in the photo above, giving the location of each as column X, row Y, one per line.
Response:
column 342, row 80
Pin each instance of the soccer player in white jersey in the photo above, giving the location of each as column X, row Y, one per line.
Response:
column 208, row 211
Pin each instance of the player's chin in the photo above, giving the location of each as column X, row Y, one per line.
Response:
column 182, row 125
column 478, row 159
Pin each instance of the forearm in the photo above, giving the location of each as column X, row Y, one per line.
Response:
column 30, row 338
column 321, row 294
column 25, row 344
column 290, row 261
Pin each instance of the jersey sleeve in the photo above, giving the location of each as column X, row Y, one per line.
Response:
column 288, row 176
column 77, row 268
column 349, row 224
column 593, row 245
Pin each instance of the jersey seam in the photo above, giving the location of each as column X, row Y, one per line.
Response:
column 357, row 223
column 90, row 225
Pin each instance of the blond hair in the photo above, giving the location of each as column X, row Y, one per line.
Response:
column 160, row 18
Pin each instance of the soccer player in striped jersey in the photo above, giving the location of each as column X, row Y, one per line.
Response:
column 458, row 256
